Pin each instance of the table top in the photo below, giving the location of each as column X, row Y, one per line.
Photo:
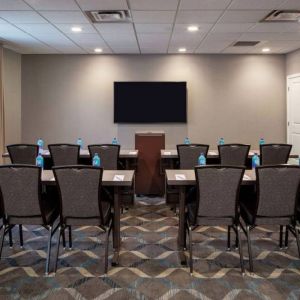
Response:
column 124, row 153
column 172, row 153
column 187, row 177
column 110, row 177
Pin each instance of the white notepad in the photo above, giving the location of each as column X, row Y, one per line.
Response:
column 46, row 152
column 167, row 153
column 212, row 152
column 84, row 152
column 246, row 177
column 118, row 177
column 251, row 152
column 52, row 179
column 132, row 152
column 180, row 177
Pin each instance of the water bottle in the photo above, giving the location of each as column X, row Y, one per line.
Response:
column 261, row 141
column 299, row 160
column 40, row 161
column 221, row 141
column 79, row 142
column 255, row 161
column 96, row 160
column 202, row 160
column 115, row 141
column 40, row 143
column 187, row 141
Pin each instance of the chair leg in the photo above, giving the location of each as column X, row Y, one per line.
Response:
column 297, row 239
column 238, row 237
column 10, row 236
column 249, row 249
column 48, row 250
column 21, row 235
column 228, row 239
column 60, row 232
column 2, row 234
column 281, row 237
column 70, row 238
column 106, row 247
column 286, row 238
column 64, row 238
column 190, row 234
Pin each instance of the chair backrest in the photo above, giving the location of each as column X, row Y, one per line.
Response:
column 274, row 154
column 218, row 190
column 277, row 190
column 108, row 153
column 189, row 154
column 64, row 154
column 20, row 187
column 79, row 188
column 23, row 153
column 233, row 154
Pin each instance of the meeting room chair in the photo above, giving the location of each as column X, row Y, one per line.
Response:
column 23, row 153
column 81, row 203
column 24, row 203
column 277, row 195
column 108, row 153
column 188, row 154
column 216, row 203
column 274, row 154
column 64, row 154
column 233, row 154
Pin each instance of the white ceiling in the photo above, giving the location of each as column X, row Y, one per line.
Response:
column 159, row 26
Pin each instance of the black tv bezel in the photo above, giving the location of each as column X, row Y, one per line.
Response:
column 153, row 122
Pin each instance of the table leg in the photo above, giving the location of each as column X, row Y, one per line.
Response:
column 116, row 228
column 181, row 227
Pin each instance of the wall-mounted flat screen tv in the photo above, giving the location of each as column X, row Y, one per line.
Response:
column 150, row 102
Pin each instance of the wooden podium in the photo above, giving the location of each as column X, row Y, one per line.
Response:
column 148, row 179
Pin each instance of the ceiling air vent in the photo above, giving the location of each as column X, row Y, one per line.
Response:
column 245, row 44
column 109, row 16
column 283, row 16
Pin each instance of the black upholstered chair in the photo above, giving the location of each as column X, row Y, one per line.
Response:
column 64, row 154
column 24, row 203
column 108, row 153
column 216, row 203
column 23, row 153
column 188, row 154
column 80, row 201
column 277, row 196
column 233, row 154
column 274, row 154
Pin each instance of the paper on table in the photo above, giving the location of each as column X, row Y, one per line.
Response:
column 246, row 177
column 52, row 179
column 251, row 152
column 213, row 152
column 84, row 151
column 180, row 177
column 46, row 152
column 132, row 152
column 167, row 153
column 118, row 177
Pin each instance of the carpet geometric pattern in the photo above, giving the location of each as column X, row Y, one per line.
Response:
column 149, row 266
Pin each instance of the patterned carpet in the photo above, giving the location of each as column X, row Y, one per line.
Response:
column 149, row 266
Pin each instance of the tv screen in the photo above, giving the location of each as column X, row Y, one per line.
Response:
column 150, row 102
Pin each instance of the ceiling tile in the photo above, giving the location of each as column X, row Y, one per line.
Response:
column 276, row 27
column 186, row 40
column 255, row 4
column 158, row 49
column 152, row 39
column 195, row 16
column 38, row 28
column 102, row 4
column 153, row 28
column 229, row 36
column 260, row 36
column 66, row 28
column 243, row 16
column 14, row 5
column 143, row 16
column 115, row 28
column 88, row 38
column 64, row 17
column 203, row 27
column 232, row 27
column 126, row 50
column 2, row 21
column 290, row 4
column 17, row 17
column 153, row 4
column 53, row 4
column 213, row 46
column 174, row 49
column 204, row 4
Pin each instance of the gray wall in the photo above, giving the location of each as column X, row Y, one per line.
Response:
column 239, row 97
column 293, row 63
column 12, row 96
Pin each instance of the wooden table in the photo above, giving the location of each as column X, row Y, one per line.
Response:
column 107, row 180
column 190, row 180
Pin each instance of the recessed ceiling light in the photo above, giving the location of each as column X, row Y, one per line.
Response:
column 182, row 50
column 76, row 29
column 266, row 50
column 98, row 50
column 193, row 28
